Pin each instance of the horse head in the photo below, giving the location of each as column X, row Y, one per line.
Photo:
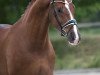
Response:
column 62, row 16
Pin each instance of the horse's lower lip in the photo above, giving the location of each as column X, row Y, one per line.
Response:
column 74, row 43
column 72, row 40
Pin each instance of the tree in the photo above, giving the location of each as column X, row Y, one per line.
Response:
column 85, row 3
column 11, row 10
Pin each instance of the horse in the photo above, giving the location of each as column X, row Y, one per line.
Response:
column 25, row 46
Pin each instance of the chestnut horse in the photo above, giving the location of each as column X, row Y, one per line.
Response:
column 25, row 47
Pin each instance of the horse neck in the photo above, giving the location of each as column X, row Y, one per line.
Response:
column 33, row 26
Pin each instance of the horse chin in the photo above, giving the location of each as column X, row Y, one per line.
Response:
column 74, row 43
column 73, row 36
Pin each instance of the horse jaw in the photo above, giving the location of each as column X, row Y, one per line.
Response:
column 73, row 36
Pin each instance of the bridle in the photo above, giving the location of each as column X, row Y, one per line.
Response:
column 66, row 24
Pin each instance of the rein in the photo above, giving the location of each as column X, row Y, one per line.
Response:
column 66, row 24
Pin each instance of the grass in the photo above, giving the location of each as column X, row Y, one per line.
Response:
column 85, row 55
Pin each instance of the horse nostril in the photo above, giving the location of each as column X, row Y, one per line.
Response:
column 71, row 36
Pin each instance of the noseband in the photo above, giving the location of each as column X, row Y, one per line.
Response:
column 66, row 24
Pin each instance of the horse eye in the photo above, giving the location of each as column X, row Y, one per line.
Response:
column 59, row 10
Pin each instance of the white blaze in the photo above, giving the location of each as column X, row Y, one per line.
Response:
column 76, row 41
column 67, row 7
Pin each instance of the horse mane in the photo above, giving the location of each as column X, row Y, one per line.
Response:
column 36, row 4
column 25, row 11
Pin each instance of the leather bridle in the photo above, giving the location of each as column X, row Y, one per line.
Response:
column 66, row 24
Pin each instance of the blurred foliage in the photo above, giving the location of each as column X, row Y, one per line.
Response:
column 86, row 10
column 11, row 10
column 89, row 13
column 85, row 3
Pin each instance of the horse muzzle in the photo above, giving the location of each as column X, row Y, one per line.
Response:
column 70, row 30
column 74, row 36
